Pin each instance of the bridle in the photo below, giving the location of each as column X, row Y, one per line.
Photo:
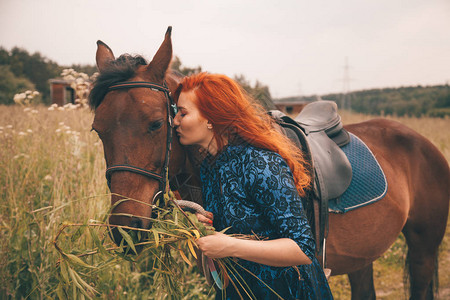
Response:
column 171, row 109
column 162, row 178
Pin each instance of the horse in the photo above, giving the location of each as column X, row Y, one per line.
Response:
column 134, row 120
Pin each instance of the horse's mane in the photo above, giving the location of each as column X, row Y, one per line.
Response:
column 121, row 69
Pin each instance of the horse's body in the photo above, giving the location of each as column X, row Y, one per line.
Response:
column 417, row 201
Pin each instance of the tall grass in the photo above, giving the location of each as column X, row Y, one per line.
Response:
column 51, row 166
column 52, row 170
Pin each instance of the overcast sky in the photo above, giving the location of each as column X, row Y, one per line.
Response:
column 295, row 47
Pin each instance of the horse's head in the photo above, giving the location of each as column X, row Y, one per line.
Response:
column 133, row 118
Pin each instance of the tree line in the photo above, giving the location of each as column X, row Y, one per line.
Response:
column 21, row 71
column 432, row 101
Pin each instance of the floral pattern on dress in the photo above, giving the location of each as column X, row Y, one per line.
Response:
column 252, row 191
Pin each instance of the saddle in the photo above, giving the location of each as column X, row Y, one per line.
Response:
column 319, row 132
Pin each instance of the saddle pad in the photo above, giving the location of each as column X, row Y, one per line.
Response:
column 368, row 183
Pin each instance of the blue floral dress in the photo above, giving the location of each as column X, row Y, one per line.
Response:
column 252, row 191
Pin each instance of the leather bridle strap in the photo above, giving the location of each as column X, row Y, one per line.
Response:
column 139, row 84
column 171, row 109
column 131, row 169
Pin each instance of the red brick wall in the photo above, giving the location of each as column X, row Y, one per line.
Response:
column 58, row 93
column 290, row 109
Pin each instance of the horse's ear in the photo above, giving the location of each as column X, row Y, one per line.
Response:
column 160, row 62
column 104, row 56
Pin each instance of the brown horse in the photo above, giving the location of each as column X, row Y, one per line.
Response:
column 134, row 124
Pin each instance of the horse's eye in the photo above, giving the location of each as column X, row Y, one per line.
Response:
column 155, row 126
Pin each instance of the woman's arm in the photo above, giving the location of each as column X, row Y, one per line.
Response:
column 281, row 252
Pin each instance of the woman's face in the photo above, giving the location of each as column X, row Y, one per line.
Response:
column 192, row 128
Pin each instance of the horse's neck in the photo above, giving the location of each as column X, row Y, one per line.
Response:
column 187, row 180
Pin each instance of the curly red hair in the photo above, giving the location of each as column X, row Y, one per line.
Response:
column 232, row 112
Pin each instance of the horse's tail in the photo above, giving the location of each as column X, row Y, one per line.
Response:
column 433, row 289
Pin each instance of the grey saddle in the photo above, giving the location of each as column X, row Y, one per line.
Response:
column 321, row 134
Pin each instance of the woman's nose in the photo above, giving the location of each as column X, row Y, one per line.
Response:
column 176, row 120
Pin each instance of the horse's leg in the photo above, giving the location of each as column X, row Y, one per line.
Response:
column 422, row 257
column 427, row 220
column 361, row 282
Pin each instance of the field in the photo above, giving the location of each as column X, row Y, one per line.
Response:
column 52, row 171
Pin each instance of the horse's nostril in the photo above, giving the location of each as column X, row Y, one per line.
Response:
column 136, row 223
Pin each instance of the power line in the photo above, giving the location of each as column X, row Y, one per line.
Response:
column 346, row 95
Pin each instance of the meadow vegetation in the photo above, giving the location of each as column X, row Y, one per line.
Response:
column 52, row 173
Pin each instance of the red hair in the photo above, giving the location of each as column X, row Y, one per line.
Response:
column 232, row 112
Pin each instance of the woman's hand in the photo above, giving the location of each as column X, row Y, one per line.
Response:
column 217, row 245
column 208, row 220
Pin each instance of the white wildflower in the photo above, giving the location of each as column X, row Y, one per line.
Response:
column 94, row 76
column 72, row 106
column 34, row 111
column 21, row 133
column 60, row 108
column 27, row 109
column 69, row 78
column 58, row 130
column 29, row 131
column 21, row 155
column 9, row 126
column 51, row 108
column 19, row 98
column 77, row 144
column 48, row 178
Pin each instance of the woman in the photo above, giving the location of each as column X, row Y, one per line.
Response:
column 252, row 181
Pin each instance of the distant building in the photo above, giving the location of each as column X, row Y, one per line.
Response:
column 294, row 105
column 60, row 92
column 290, row 107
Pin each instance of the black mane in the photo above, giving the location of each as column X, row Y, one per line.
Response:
column 121, row 69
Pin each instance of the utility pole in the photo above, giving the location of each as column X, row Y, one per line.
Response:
column 346, row 96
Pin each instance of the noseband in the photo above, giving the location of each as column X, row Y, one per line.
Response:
column 171, row 107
